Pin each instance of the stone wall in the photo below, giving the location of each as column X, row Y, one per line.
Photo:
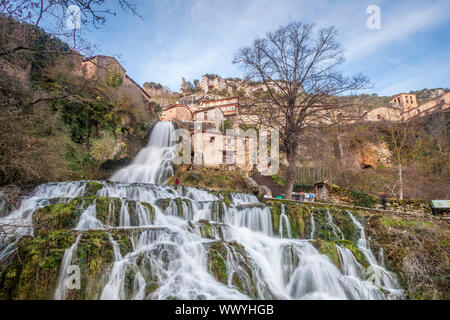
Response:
column 409, row 206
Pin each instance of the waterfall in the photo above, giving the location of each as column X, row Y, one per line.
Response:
column 188, row 243
column 153, row 164
column 334, row 227
column 61, row 289
column 284, row 223
column 313, row 226
column 376, row 272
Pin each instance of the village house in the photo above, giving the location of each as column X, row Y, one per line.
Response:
column 404, row 105
column 100, row 67
column 232, row 151
column 229, row 106
column 213, row 115
column 176, row 112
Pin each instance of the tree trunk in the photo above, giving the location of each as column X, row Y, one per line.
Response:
column 400, row 181
column 292, row 169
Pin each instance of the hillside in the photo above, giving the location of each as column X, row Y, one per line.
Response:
column 56, row 124
column 359, row 155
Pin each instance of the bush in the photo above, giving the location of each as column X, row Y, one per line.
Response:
column 114, row 79
column 361, row 199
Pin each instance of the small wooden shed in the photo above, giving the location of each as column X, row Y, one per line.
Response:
column 440, row 206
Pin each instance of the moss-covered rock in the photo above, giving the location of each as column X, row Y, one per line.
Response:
column 57, row 217
column 163, row 204
column 416, row 249
column 217, row 179
column 299, row 217
column 92, row 187
column 329, row 249
column 217, row 265
column 242, row 278
column 108, row 211
column 357, row 253
column 33, row 272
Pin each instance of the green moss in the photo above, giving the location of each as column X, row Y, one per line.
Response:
column 56, row 217
column 94, row 256
column 33, row 272
column 226, row 197
column 299, row 217
column 215, row 179
column 357, row 253
column 151, row 287
column 92, row 188
column 275, row 212
column 329, row 249
column 103, row 205
column 205, row 229
column 399, row 223
column 151, row 211
column 357, row 198
column 163, row 203
column 217, row 266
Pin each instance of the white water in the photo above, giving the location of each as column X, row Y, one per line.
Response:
column 153, row 164
column 284, row 224
column 171, row 250
column 313, row 226
column 383, row 278
column 63, row 277
column 335, row 228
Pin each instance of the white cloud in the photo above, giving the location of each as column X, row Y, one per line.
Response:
column 397, row 25
column 190, row 38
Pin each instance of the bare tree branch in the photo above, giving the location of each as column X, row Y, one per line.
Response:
column 298, row 71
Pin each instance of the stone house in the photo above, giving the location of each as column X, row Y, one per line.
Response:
column 405, row 106
column 99, row 67
column 176, row 112
column 213, row 115
column 230, row 151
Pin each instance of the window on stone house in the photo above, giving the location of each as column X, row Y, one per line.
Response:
column 212, row 139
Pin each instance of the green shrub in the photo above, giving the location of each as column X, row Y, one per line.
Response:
column 114, row 79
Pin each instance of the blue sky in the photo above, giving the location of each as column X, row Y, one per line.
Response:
column 188, row 38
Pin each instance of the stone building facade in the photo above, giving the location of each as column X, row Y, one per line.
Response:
column 99, row 67
column 405, row 106
column 176, row 112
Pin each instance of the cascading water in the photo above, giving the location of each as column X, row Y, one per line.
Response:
column 285, row 227
column 336, row 230
column 187, row 243
column 153, row 164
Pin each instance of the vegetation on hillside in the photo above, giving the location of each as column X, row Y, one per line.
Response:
column 57, row 125
column 362, row 159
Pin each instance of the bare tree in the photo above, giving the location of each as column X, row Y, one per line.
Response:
column 297, row 69
column 66, row 19
column 399, row 128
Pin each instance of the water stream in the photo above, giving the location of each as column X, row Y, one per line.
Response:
column 189, row 244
